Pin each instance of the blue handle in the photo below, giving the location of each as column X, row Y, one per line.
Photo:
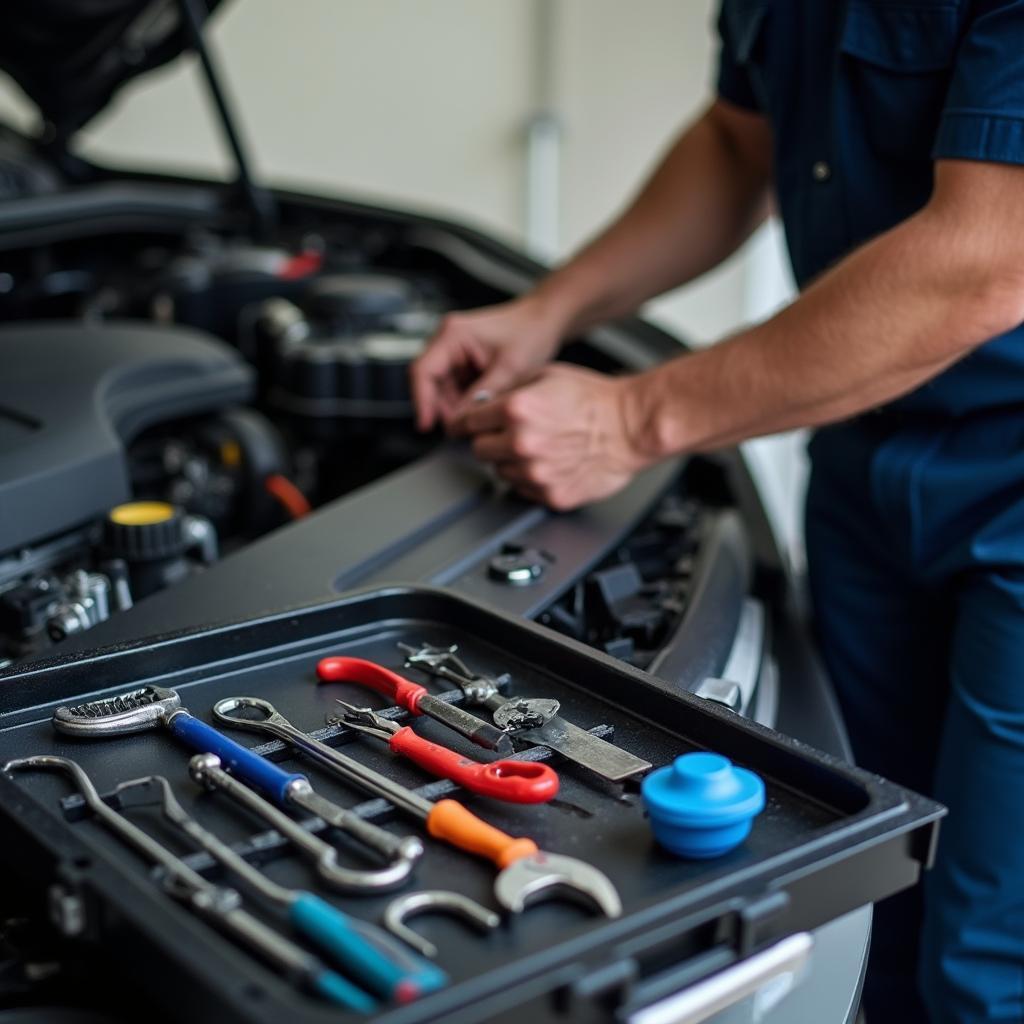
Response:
column 341, row 991
column 366, row 960
column 428, row 976
column 236, row 759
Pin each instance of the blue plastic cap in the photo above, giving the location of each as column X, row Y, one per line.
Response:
column 702, row 805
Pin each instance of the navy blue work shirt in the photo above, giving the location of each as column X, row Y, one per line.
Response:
column 863, row 96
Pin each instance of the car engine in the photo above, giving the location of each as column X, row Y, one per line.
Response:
column 162, row 406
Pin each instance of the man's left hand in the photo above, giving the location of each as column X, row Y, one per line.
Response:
column 563, row 439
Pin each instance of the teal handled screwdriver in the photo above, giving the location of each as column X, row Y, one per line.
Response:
column 367, row 953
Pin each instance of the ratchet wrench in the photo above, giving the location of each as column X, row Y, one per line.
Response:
column 216, row 904
column 524, row 871
column 519, row 782
column 153, row 707
column 414, row 698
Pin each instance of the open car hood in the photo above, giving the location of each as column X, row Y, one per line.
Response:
column 70, row 57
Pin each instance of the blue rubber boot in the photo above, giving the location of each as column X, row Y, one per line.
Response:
column 702, row 805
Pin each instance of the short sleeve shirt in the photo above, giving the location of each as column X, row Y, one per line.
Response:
column 863, row 96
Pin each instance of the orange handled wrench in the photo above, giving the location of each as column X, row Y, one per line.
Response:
column 518, row 782
column 525, row 869
column 414, row 698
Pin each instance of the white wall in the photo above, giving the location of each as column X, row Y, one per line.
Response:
column 632, row 75
column 427, row 103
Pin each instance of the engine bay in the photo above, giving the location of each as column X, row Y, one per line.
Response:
column 200, row 391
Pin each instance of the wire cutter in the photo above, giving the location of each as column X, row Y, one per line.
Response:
column 520, row 782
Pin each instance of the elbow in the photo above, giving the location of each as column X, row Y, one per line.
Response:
column 991, row 302
column 976, row 272
column 974, row 233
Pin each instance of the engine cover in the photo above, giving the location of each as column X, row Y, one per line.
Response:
column 72, row 396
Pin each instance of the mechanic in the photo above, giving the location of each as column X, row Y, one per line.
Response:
column 891, row 138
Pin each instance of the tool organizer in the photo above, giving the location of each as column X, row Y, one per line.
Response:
column 831, row 838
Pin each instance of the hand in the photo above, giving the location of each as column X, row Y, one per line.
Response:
column 562, row 440
column 485, row 350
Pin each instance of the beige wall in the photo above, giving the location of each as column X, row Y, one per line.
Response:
column 632, row 75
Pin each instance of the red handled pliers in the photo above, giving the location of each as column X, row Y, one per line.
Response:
column 523, row 782
column 519, row 782
column 414, row 698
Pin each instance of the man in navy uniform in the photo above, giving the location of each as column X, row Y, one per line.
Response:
column 890, row 136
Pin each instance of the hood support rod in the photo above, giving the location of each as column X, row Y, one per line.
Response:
column 258, row 200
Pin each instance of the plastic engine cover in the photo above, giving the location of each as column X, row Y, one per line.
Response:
column 72, row 396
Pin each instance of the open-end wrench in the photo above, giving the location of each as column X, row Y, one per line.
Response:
column 414, row 698
column 532, row 720
column 526, row 871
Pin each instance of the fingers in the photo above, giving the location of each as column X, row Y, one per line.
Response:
column 500, row 376
column 496, row 446
column 493, row 349
column 452, row 360
column 428, row 375
column 482, row 417
column 448, row 373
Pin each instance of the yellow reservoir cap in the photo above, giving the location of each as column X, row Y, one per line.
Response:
column 141, row 513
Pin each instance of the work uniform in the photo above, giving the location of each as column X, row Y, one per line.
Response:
column 915, row 515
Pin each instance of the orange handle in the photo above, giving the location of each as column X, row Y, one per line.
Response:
column 450, row 822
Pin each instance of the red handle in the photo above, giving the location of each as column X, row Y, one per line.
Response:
column 518, row 782
column 366, row 673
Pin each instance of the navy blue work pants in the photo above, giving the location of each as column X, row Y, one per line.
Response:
column 915, row 536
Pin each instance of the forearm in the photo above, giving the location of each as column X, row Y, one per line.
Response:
column 704, row 199
column 891, row 316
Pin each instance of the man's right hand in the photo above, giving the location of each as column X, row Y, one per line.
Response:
column 486, row 350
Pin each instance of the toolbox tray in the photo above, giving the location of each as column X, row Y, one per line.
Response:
column 831, row 838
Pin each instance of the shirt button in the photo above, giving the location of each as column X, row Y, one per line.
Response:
column 821, row 171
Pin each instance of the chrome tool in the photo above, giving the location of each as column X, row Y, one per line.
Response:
column 400, row 909
column 218, row 905
column 366, row 953
column 414, row 698
column 206, row 771
column 531, row 720
column 520, row 782
column 153, row 707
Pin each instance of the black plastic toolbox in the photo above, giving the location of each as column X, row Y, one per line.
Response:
column 832, row 837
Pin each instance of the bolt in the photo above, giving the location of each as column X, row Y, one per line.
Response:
column 67, row 911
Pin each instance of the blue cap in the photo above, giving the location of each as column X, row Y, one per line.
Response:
column 702, row 805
